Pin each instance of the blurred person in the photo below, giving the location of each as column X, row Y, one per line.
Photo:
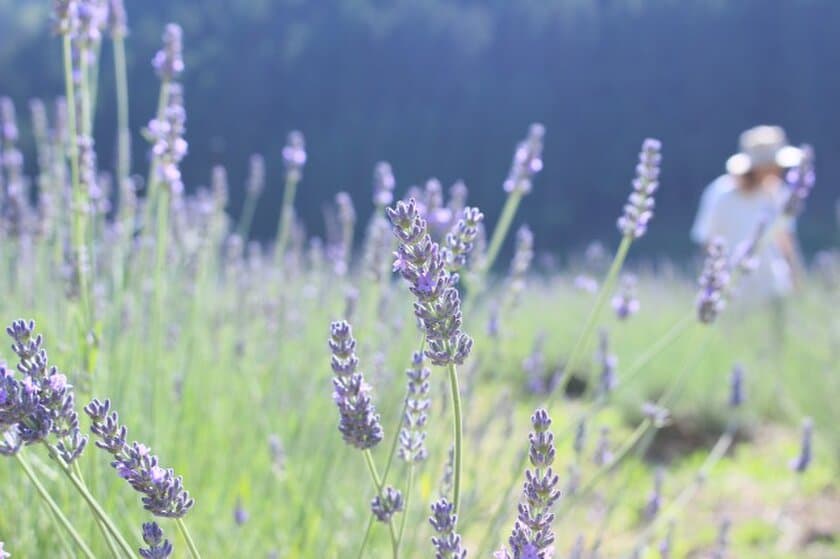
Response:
column 751, row 192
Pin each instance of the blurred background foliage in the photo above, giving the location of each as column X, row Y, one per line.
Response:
column 446, row 88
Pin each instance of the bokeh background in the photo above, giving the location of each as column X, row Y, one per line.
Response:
column 446, row 88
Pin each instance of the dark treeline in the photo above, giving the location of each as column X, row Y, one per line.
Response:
column 446, row 88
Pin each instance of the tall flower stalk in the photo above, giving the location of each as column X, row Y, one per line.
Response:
column 294, row 159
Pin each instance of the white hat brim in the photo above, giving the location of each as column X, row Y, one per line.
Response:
column 741, row 163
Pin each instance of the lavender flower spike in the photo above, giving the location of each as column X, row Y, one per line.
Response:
column 169, row 61
column 801, row 180
column 714, row 282
column 447, row 542
column 532, row 535
column 420, row 261
column 383, row 184
column 385, row 506
column 527, row 161
column 736, row 385
column 294, row 156
column 417, row 403
column 639, row 208
column 159, row 548
column 163, row 492
column 461, row 239
column 800, row 463
column 625, row 303
column 358, row 421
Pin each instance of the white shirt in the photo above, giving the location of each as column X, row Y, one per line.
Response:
column 734, row 214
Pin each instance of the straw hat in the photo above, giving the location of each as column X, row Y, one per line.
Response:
column 763, row 145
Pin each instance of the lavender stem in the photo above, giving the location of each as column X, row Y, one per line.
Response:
column 458, row 428
column 377, row 481
column 182, row 527
column 65, row 523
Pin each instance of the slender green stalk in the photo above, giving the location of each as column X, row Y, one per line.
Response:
column 94, row 505
column 501, row 230
column 102, row 528
column 246, row 219
column 123, row 134
column 284, row 227
column 582, row 342
column 377, row 481
column 408, row 488
column 458, row 430
column 182, row 527
column 366, row 538
column 59, row 516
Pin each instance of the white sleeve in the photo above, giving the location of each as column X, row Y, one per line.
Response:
column 701, row 231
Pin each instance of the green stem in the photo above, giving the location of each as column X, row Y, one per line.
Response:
column 123, row 134
column 59, row 516
column 94, row 505
column 501, row 230
column 286, row 216
column 406, row 503
column 589, row 326
column 182, row 527
column 366, row 538
column 458, row 429
column 377, row 481
column 102, row 528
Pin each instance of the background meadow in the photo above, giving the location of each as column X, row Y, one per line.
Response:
column 203, row 313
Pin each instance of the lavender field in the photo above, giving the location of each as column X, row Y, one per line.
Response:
column 424, row 383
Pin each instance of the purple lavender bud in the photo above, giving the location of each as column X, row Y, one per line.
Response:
column 169, row 145
column 714, row 282
column 639, row 208
column 522, row 258
column 461, row 238
column 656, row 414
column 534, row 367
column 532, row 534
column 580, row 437
column 420, row 261
column 383, row 184
column 586, row 283
column 159, row 548
column 65, row 16
column 169, row 61
column 803, row 460
column 667, row 543
column 163, row 491
column 117, row 18
column 736, row 385
column 609, row 363
column 458, row 193
column 240, row 515
column 654, row 501
column 801, row 180
column 625, row 303
column 358, row 421
column 294, row 156
column 527, row 161
column 417, row 403
column 8, row 123
column 385, row 506
column 93, row 16
column 603, row 449
column 256, row 175
column 447, row 542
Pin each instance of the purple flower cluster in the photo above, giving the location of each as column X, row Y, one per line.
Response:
column 421, row 262
column 654, row 501
column 714, row 282
column 41, row 403
column 93, row 16
column 256, row 175
column 603, row 455
column 117, row 18
column 447, row 542
column 527, row 161
column 163, row 491
column 736, row 387
column 803, row 460
column 359, row 423
column 639, row 208
column 387, row 505
column 522, row 258
column 532, row 535
column 65, row 16
column 159, row 548
column 801, row 180
column 608, row 362
column 168, row 143
column 625, row 303
column 461, row 238
column 383, row 185
column 294, row 156
column 169, row 61
column 417, row 403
